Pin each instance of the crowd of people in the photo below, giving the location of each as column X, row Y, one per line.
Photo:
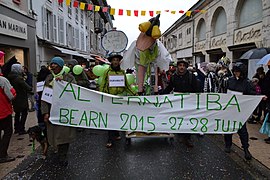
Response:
column 16, row 91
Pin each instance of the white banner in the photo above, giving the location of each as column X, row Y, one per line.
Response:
column 210, row 113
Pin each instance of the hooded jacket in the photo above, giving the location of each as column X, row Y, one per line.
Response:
column 22, row 88
column 7, row 93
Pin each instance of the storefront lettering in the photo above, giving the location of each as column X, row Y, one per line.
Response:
column 218, row 42
column 247, row 36
column 12, row 27
column 200, row 46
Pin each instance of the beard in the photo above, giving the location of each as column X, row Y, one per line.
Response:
column 116, row 68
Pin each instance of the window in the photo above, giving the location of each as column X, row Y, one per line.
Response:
column 87, row 43
column 82, row 19
column 180, row 36
column 251, row 12
column 77, row 38
column 82, row 41
column 47, row 24
column 76, row 15
column 61, row 29
column 201, row 30
column 220, row 23
column 69, row 35
column 188, row 31
column 92, row 39
column 69, row 11
column 54, row 28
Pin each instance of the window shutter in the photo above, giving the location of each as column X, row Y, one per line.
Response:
column 44, row 24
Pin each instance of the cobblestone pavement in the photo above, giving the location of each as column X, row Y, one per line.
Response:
column 21, row 147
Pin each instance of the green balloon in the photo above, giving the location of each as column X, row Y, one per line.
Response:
column 130, row 79
column 98, row 70
column 78, row 69
column 100, row 80
column 106, row 66
column 134, row 88
column 66, row 69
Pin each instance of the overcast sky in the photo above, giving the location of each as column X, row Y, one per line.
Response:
column 129, row 24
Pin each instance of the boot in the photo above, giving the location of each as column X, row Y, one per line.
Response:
column 248, row 156
column 227, row 149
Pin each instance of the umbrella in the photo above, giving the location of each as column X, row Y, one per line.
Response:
column 256, row 53
column 264, row 60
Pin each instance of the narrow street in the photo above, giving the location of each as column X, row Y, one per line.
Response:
column 142, row 159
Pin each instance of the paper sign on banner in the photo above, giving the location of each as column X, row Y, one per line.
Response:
column 47, row 95
column 208, row 113
column 116, row 81
column 40, row 86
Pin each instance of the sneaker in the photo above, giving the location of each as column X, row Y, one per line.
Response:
column 267, row 139
column 6, row 159
column 227, row 149
column 248, row 156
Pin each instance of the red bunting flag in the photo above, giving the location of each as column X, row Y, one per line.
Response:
column 196, row 10
column 120, row 12
column 60, row 1
column 90, row 7
column 104, row 9
column 151, row 13
column 76, row 4
column 136, row 13
column 167, row 10
column 181, row 11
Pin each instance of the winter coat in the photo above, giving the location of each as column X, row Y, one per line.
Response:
column 186, row 83
column 104, row 86
column 58, row 134
column 243, row 85
column 20, row 103
column 7, row 93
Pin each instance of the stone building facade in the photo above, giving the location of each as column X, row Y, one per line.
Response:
column 227, row 28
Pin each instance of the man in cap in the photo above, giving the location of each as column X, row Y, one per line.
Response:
column 183, row 81
column 58, row 136
column 107, row 86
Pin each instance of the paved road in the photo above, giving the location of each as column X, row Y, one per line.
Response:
column 143, row 159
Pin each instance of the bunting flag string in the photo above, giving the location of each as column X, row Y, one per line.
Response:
column 128, row 12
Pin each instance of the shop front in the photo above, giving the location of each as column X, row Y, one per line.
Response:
column 17, row 37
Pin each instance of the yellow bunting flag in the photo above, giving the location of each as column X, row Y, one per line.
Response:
column 203, row 11
column 173, row 12
column 188, row 13
column 82, row 6
column 143, row 13
column 68, row 2
column 158, row 12
column 97, row 8
column 112, row 11
column 129, row 12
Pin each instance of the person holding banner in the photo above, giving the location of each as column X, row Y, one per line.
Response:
column 58, row 136
column 185, row 82
column 114, row 82
column 239, row 84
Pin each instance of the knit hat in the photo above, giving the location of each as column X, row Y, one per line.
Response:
column 73, row 62
column 17, row 68
column 58, row 60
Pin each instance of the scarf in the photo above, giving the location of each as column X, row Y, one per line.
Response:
column 59, row 76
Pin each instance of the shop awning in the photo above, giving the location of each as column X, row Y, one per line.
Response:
column 72, row 52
